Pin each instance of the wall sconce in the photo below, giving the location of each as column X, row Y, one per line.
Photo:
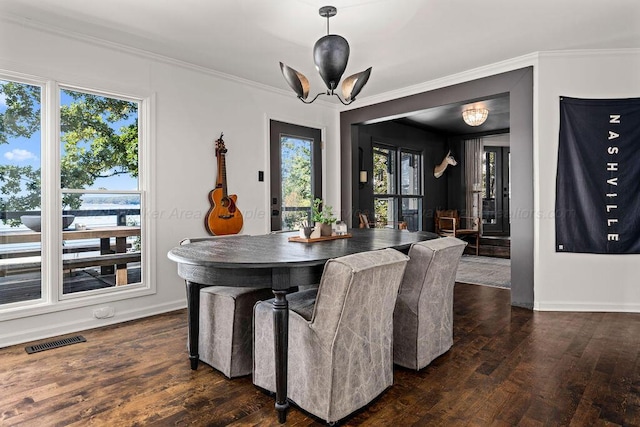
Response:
column 363, row 178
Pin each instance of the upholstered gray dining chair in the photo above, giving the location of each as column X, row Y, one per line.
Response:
column 340, row 335
column 423, row 318
column 225, row 335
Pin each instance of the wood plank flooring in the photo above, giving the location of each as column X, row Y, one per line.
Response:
column 508, row 366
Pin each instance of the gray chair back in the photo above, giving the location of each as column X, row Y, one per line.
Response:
column 350, row 288
column 423, row 317
column 340, row 357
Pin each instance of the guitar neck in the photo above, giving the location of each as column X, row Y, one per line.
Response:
column 222, row 174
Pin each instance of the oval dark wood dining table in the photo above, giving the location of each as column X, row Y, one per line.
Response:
column 271, row 261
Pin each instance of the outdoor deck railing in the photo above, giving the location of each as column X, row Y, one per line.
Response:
column 121, row 220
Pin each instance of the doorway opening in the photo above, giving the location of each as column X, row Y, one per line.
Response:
column 518, row 84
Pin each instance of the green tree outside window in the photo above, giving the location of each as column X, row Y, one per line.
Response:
column 92, row 147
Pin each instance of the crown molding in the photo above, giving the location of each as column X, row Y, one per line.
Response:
column 583, row 53
column 119, row 47
column 453, row 79
column 531, row 59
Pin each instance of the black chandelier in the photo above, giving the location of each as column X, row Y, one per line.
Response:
column 330, row 54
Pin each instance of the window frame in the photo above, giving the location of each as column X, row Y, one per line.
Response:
column 398, row 196
column 52, row 298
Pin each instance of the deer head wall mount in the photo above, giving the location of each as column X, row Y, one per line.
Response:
column 448, row 160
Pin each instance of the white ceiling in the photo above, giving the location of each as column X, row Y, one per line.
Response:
column 407, row 42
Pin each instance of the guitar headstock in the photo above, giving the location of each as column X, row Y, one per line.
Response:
column 220, row 148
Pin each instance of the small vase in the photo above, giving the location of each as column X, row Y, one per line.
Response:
column 325, row 230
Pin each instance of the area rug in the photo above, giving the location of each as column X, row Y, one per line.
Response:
column 487, row 271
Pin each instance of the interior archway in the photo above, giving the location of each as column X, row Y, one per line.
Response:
column 519, row 85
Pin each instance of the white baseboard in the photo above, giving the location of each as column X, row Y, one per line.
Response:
column 52, row 330
column 587, row 307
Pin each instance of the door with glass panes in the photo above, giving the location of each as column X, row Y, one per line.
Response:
column 495, row 191
column 296, row 174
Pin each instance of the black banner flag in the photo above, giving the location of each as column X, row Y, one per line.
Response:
column 598, row 177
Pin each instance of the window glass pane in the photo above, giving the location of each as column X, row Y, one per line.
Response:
column 99, row 151
column 101, row 247
column 411, row 212
column 20, row 193
column 384, row 171
column 385, row 211
column 99, row 143
column 489, row 214
column 410, row 173
column 296, row 177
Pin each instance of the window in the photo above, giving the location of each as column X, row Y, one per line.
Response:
column 71, row 198
column 20, row 191
column 397, row 187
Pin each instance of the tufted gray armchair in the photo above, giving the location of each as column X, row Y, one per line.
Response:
column 225, row 324
column 340, row 335
column 423, row 318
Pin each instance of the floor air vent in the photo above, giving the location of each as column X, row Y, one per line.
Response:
column 54, row 344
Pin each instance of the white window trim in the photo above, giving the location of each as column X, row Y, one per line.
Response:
column 51, row 299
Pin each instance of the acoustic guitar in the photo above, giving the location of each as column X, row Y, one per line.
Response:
column 223, row 216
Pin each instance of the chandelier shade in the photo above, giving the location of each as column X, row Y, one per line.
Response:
column 475, row 116
column 330, row 55
column 296, row 80
column 352, row 85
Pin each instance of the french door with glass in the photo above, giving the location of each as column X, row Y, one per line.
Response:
column 495, row 190
column 296, row 174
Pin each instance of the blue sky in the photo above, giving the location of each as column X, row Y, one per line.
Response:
column 27, row 152
column 20, row 151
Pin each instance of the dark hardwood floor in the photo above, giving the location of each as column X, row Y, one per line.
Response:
column 508, row 366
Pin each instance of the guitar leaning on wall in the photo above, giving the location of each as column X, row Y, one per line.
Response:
column 223, row 217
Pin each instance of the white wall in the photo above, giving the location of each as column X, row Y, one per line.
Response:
column 564, row 281
column 192, row 107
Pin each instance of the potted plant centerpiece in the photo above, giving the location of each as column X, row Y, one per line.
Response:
column 322, row 216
